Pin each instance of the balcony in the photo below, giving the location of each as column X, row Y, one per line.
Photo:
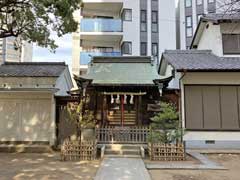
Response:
column 85, row 57
column 97, row 7
column 101, row 25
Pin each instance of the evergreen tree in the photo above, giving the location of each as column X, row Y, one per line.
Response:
column 33, row 20
column 165, row 125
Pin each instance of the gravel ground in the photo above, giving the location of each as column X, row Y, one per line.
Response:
column 44, row 166
column 229, row 161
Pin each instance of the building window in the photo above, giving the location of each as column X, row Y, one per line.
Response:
column 127, row 15
column 231, row 43
column 143, row 49
column 102, row 49
column 126, row 48
column 155, row 49
column 189, row 26
column 154, row 21
column 143, row 20
column 211, row 1
column 188, row 3
column 199, row 2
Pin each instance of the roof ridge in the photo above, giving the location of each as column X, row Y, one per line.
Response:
column 34, row 63
column 122, row 59
column 190, row 51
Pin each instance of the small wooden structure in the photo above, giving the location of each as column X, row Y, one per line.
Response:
column 166, row 152
column 120, row 90
column 78, row 150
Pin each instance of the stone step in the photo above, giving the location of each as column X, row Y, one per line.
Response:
column 127, row 119
column 122, row 146
column 119, row 117
column 23, row 148
column 122, row 156
column 119, row 112
column 122, row 152
column 116, row 123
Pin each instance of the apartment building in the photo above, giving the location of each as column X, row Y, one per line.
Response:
column 123, row 28
column 9, row 52
column 189, row 14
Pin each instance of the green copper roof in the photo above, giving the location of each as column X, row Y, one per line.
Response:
column 122, row 71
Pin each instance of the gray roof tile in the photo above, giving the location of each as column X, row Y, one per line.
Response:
column 32, row 69
column 200, row 60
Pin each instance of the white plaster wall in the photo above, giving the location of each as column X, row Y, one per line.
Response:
column 131, row 30
column 167, row 25
column 212, row 78
column 217, row 136
column 211, row 39
column 27, row 116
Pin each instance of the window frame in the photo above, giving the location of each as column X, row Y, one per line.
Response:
column 154, row 22
column 237, row 49
column 153, row 44
column 188, row 27
column 142, row 21
column 141, row 52
column 122, row 47
column 124, row 12
column 186, row 4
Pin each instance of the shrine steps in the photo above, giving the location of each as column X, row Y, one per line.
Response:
column 122, row 150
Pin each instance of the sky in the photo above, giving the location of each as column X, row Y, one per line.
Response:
column 63, row 52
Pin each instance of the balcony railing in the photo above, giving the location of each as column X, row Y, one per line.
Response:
column 85, row 57
column 101, row 25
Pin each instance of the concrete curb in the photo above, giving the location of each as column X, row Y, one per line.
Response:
column 206, row 164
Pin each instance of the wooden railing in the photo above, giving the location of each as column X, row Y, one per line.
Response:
column 166, row 152
column 127, row 135
column 78, row 150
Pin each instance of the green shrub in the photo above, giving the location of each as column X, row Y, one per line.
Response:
column 165, row 126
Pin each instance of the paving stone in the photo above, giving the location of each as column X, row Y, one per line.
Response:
column 122, row 169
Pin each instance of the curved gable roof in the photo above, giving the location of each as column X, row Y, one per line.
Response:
column 122, row 71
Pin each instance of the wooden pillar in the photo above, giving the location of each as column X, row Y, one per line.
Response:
column 122, row 110
column 104, row 110
column 139, row 110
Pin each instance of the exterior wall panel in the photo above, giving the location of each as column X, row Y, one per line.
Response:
column 26, row 117
column 229, row 107
column 211, row 107
column 194, row 108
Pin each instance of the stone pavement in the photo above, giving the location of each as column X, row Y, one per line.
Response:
column 122, row 169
